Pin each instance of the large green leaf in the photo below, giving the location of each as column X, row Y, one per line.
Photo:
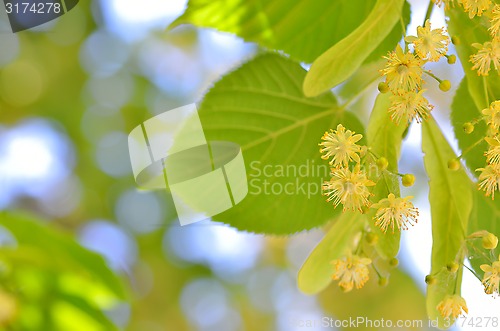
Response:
column 316, row 272
column 304, row 29
column 463, row 109
column 32, row 235
column 262, row 108
column 451, row 203
column 48, row 268
column 384, row 137
column 340, row 61
column 473, row 31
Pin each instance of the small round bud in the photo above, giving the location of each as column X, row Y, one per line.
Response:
column 383, row 281
column 408, row 180
column 455, row 40
column 452, row 59
column 490, row 241
column 394, row 262
column 383, row 87
column 452, row 267
column 468, row 127
column 371, row 238
column 430, row 280
column 382, row 163
column 453, row 164
column 445, row 85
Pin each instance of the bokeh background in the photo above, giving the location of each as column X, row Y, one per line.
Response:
column 70, row 92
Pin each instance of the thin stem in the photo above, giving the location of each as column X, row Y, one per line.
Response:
column 486, row 92
column 468, row 149
column 403, row 26
column 472, row 271
column 433, row 76
column 376, row 271
column 428, row 14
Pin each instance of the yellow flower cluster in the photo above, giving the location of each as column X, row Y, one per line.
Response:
column 349, row 186
column 491, row 278
column 394, row 212
column 473, row 7
column 452, row 306
column 351, row 271
column 489, row 178
column 488, row 53
column 404, row 69
column 346, row 187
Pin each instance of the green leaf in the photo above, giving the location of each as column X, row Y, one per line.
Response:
column 451, row 203
column 385, row 138
column 463, row 109
column 92, row 319
column 316, row 272
column 262, row 108
column 483, row 90
column 59, row 252
column 303, row 29
column 340, row 61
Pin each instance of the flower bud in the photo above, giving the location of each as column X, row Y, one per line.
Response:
column 445, row 85
column 383, row 281
column 394, row 262
column 453, row 164
column 452, row 267
column 382, row 163
column 383, row 87
column 408, row 180
column 430, row 280
column 455, row 40
column 452, row 59
column 490, row 241
column 468, row 127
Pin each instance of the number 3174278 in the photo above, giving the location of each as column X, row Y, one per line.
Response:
column 33, row 8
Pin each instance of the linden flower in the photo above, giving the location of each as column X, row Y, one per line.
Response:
column 351, row 271
column 487, row 54
column 403, row 70
column 452, row 305
column 430, row 44
column 394, row 212
column 493, row 153
column 491, row 278
column 409, row 105
column 489, row 179
column 475, row 7
column 341, row 145
column 493, row 115
column 348, row 188
column 495, row 22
